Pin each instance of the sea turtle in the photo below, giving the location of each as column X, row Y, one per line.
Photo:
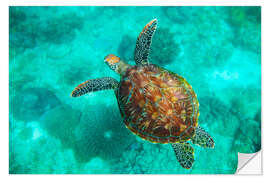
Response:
column 156, row 104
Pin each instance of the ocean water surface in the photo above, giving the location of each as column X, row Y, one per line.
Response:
column 53, row 49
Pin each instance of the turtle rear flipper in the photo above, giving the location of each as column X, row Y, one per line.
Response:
column 202, row 138
column 184, row 153
column 144, row 42
column 93, row 85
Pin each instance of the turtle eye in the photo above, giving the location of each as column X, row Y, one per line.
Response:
column 113, row 67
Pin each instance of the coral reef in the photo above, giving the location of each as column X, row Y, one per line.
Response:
column 240, row 16
column 207, row 41
column 217, row 162
column 101, row 132
column 248, row 137
column 164, row 48
column 246, row 101
column 16, row 17
column 58, row 29
column 61, row 29
column 65, row 119
column 41, row 156
column 20, row 35
column 244, row 132
column 126, row 48
column 44, row 154
column 247, row 104
column 179, row 15
column 76, row 75
column 246, row 23
column 30, row 103
column 217, row 116
column 147, row 158
column 208, row 47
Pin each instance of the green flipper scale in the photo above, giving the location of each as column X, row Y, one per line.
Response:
column 184, row 153
column 202, row 138
column 144, row 42
column 93, row 85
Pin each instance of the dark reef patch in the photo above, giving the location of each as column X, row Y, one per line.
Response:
column 31, row 103
column 164, row 48
column 231, row 122
column 178, row 14
column 61, row 29
column 217, row 115
column 101, row 132
column 61, row 122
column 247, row 137
column 246, row 25
column 94, row 133
column 126, row 48
column 76, row 75
column 58, row 29
column 246, row 101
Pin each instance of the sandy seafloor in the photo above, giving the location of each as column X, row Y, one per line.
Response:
column 53, row 49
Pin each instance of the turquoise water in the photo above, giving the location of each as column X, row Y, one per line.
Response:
column 53, row 49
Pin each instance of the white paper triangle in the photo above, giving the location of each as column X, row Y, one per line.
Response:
column 249, row 163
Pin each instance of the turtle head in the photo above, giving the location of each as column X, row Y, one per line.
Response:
column 116, row 64
column 112, row 61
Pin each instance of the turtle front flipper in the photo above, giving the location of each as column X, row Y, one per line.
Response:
column 202, row 138
column 184, row 153
column 144, row 42
column 93, row 85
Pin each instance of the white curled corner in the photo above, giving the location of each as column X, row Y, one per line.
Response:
column 249, row 163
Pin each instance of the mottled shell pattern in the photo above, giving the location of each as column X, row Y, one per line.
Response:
column 158, row 105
